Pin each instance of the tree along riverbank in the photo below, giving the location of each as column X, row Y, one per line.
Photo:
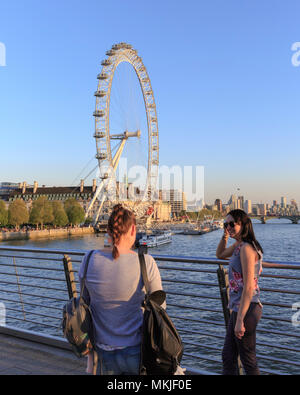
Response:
column 46, row 233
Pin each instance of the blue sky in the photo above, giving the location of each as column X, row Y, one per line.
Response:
column 227, row 94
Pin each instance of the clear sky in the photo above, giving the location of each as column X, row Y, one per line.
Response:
column 227, row 93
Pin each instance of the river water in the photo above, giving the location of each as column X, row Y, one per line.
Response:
column 280, row 241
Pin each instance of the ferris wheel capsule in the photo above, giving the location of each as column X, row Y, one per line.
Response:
column 101, row 156
column 99, row 135
column 102, row 76
column 99, row 113
column 100, row 93
column 111, row 52
column 106, row 62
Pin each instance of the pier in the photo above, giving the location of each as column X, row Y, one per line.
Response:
column 45, row 233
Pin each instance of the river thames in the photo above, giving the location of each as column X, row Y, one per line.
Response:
column 279, row 239
column 204, row 332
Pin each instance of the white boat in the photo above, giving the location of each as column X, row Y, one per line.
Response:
column 192, row 231
column 107, row 240
column 156, row 239
column 218, row 224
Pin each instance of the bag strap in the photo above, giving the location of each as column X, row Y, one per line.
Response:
column 144, row 271
column 85, row 271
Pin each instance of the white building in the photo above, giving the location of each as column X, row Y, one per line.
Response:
column 248, row 206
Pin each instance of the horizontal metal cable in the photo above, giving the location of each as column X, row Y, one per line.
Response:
column 272, row 372
column 31, row 257
column 280, row 276
column 200, row 333
column 195, row 308
column 32, row 286
column 288, row 306
column 37, row 296
column 211, row 359
column 259, row 343
column 278, row 360
column 274, row 318
column 260, row 356
column 185, row 269
column 34, row 277
column 189, row 282
column 32, row 322
column 278, row 333
column 193, row 295
column 32, row 267
column 203, row 356
column 213, row 261
column 32, row 313
column 280, row 291
column 218, row 323
column 207, row 346
column 31, row 304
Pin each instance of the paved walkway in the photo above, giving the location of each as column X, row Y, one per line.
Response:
column 22, row 357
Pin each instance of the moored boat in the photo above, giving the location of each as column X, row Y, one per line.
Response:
column 156, row 239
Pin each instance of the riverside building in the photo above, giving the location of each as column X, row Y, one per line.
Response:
column 84, row 194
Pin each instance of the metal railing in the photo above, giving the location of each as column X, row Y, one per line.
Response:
column 36, row 283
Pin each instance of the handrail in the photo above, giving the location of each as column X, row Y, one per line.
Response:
column 198, row 314
column 271, row 264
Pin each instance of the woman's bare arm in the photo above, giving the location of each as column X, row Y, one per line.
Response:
column 223, row 252
column 248, row 259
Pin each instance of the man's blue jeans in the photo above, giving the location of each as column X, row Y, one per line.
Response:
column 119, row 362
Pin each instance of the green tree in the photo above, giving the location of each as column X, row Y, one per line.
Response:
column 41, row 212
column 74, row 211
column 88, row 221
column 3, row 214
column 217, row 214
column 18, row 213
column 59, row 214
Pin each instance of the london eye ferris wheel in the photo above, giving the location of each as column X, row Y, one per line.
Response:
column 125, row 128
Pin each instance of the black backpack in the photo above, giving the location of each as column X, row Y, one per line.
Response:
column 161, row 347
column 77, row 324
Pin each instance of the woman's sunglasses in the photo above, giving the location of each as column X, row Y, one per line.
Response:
column 226, row 224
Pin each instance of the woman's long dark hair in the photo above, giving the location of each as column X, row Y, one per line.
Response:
column 247, row 232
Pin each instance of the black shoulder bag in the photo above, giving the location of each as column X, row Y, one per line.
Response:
column 161, row 347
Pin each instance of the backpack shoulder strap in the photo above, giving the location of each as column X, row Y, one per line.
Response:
column 87, row 263
column 85, row 270
column 144, row 271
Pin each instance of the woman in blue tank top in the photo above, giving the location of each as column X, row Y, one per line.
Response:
column 245, row 266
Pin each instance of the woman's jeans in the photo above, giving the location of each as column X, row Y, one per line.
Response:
column 119, row 362
column 245, row 347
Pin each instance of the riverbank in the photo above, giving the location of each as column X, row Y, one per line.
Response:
column 45, row 234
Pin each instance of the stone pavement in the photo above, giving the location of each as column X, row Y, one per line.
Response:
column 23, row 357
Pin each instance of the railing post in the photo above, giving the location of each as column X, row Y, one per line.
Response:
column 19, row 288
column 224, row 292
column 70, row 278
